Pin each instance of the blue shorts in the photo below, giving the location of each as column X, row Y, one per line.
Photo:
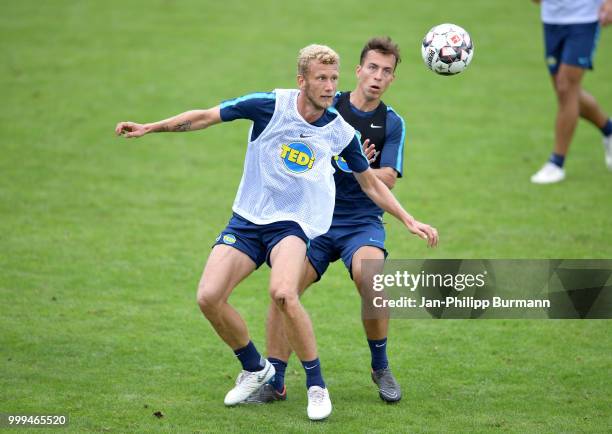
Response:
column 257, row 241
column 342, row 241
column 572, row 44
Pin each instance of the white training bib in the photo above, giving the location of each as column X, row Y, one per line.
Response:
column 288, row 173
column 570, row 11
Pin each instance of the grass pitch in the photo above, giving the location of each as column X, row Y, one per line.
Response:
column 102, row 240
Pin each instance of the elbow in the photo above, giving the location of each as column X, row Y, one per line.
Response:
column 202, row 120
column 389, row 181
column 388, row 176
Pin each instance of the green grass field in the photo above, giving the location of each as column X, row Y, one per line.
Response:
column 102, row 240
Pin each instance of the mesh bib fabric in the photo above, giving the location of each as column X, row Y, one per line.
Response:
column 288, row 173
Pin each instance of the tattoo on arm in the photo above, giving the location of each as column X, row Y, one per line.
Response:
column 183, row 126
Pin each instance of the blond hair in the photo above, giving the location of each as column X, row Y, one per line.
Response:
column 321, row 53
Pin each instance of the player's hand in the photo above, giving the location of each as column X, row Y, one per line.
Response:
column 369, row 150
column 130, row 129
column 605, row 13
column 425, row 232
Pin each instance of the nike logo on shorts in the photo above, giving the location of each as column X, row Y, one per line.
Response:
column 375, row 126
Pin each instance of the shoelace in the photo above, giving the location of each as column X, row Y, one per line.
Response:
column 384, row 379
column 317, row 395
column 381, row 373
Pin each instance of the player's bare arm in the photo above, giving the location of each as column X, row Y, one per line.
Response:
column 187, row 121
column 381, row 196
column 605, row 13
column 387, row 175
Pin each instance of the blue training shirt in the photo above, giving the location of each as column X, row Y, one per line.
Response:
column 352, row 204
column 259, row 108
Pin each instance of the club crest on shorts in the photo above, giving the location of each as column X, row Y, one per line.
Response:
column 297, row 157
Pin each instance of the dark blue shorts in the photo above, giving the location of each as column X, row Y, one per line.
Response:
column 342, row 241
column 572, row 44
column 257, row 241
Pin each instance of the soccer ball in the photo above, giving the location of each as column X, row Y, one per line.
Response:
column 447, row 49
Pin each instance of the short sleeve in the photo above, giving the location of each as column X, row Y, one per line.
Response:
column 354, row 156
column 393, row 152
column 257, row 107
column 253, row 106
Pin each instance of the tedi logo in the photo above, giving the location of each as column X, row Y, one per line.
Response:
column 229, row 238
column 297, row 156
column 342, row 164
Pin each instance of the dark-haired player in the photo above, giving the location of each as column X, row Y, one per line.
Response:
column 357, row 231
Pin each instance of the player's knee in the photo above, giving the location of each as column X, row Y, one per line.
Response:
column 284, row 297
column 566, row 87
column 207, row 300
column 563, row 89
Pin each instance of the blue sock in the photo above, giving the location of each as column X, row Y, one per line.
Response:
column 313, row 373
column 606, row 130
column 557, row 159
column 278, row 381
column 378, row 349
column 250, row 358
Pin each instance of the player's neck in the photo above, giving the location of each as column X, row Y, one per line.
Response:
column 307, row 110
column 360, row 102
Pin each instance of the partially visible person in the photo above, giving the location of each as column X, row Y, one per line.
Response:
column 571, row 32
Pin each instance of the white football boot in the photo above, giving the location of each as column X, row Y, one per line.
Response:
column 248, row 382
column 607, row 142
column 319, row 404
column 548, row 174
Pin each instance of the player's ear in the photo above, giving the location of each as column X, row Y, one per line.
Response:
column 300, row 80
column 358, row 70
